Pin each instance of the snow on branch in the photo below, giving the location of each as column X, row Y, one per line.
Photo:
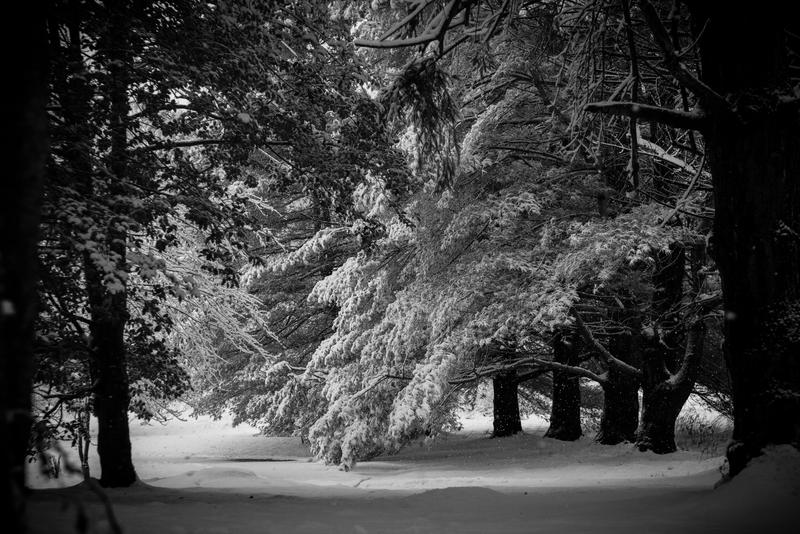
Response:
column 690, row 120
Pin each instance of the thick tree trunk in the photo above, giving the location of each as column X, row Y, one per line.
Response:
column 662, row 400
column 754, row 156
column 506, row 405
column 565, row 414
column 661, row 403
column 660, row 409
column 621, row 390
column 112, row 397
column 659, row 413
column 620, row 409
column 24, row 140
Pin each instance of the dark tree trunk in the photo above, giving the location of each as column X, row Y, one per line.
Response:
column 659, row 413
column 565, row 414
column 662, row 400
column 620, row 409
column 754, row 156
column 506, row 405
column 112, row 397
column 25, row 145
column 109, row 308
column 621, row 390
column 661, row 403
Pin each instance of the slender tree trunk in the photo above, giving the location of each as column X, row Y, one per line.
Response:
column 24, row 139
column 84, row 440
column 108, row 306
column 75, row 97
column 565, row 414
column 506, row 405
column 754, row 156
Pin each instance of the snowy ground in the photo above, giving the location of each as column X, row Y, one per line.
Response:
column 207, row 477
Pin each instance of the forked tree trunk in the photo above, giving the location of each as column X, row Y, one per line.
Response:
column 25, row 144
column 662, row 399
column 565, row 414
column 506, row 405
column 620, row 409
column 754, row 156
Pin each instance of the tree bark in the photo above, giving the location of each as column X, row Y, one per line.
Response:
column 661, row 400
column 109, row 308
column 112, row 397
column 25, row 144
column 621, row 390
column 754, row 156
column 620, row 409
column 506, row 405
column 659, row 413
column 565, row 414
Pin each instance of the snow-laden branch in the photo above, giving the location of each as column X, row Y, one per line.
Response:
column 571, row 369
column 652, row 149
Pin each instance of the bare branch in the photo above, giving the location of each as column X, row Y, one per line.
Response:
column 690, row 120
column 606, row 356
column 633, row 163
column 686, row 193
column 407, row 19
column 435, row 30
column 673, row 61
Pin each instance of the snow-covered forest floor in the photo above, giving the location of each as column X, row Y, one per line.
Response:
column 204, row 476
